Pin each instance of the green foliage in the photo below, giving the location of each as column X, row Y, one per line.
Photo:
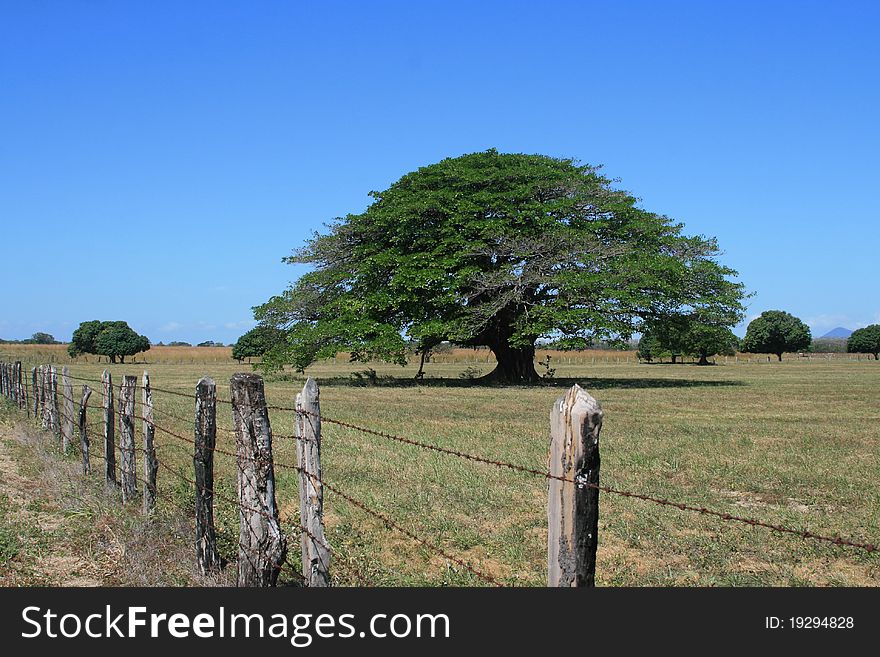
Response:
column 84, row 339
column 686, row 336
column 650, row 347
column 496, row 250
column 865, row 341
column 111, row 339
column 257, row 342
column 704, row 340
column 829, row 345
column 178, row 343
column 776, row 332
column 41, row 338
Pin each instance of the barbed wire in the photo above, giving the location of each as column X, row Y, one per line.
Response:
column 837, row 540
column 806, row 534
column 377, row 514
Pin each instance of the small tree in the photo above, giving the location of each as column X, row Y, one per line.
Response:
column 41, row 338
column 704, row 340
column 257, row 342
column 650, row 347
column 776, row 332
column 111, row 339
column 690, row 337
column 865, row 341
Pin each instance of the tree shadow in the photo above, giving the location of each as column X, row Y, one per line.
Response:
column 593, row 383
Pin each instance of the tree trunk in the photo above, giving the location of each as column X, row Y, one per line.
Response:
column 122, row 359
column 877, row 356
column 515, row 365
column 779, row 356
column 113, row 359
column 421, row 373
column 674, row 359
column 703, row 359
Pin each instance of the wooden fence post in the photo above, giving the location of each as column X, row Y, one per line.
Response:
column 262, row 545
column 109, row 429
column 573, row 509
column 54, row 424
column 151, row 465
column 3, row 377
column 34, row 389
column 44, row 417
column 67, row 420
column 84, row 429
column 207, row 556
column 127, row 462
column 315, row 552
column 21, row 395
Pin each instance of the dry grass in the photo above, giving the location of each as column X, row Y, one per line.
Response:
column 795, row 443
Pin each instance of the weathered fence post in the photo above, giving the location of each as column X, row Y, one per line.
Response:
column 315, row 552
column 44, row 409
column 127, row 463
column 84, row 429
column 573, row 509
column 34, row 388
column 22, row 395
column 54, row 424
column 151, row 465
column 67, row 420
column 262, row 545
column 109, row 429
column 3, row 377
column 207, row 556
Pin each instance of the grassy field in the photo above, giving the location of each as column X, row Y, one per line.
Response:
column 796, row 443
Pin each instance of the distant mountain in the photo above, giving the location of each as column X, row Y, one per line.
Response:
column 839, row 332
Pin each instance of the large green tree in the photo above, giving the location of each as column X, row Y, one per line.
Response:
column 257, row 342
column 865, row 341
column 776, row 332
column 111, row 339
column 495, row 250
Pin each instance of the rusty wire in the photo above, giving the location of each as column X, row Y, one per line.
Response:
column 837, row 540
column 376, row 514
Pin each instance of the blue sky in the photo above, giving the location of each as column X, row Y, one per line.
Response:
column 158, row 159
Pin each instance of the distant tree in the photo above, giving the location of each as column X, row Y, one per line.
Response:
column 776, row 332
column 650, row 347
column 178, row 343
column 111, row 339
column 829, row 345
column 41, row 338
column 257, row 342
column 704, row 340
column 676, row 337
column 865, row 341
column 209, row 343
column 665, row 337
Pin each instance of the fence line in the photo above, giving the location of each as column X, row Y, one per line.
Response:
column 46, row 408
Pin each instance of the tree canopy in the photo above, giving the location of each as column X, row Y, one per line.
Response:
column 257, row 342
column 865, row 341
column 682, row 336
column 776, row 332
column 111, row 339
column 497, row 250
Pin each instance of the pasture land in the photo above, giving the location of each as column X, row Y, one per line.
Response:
column 794, row 443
